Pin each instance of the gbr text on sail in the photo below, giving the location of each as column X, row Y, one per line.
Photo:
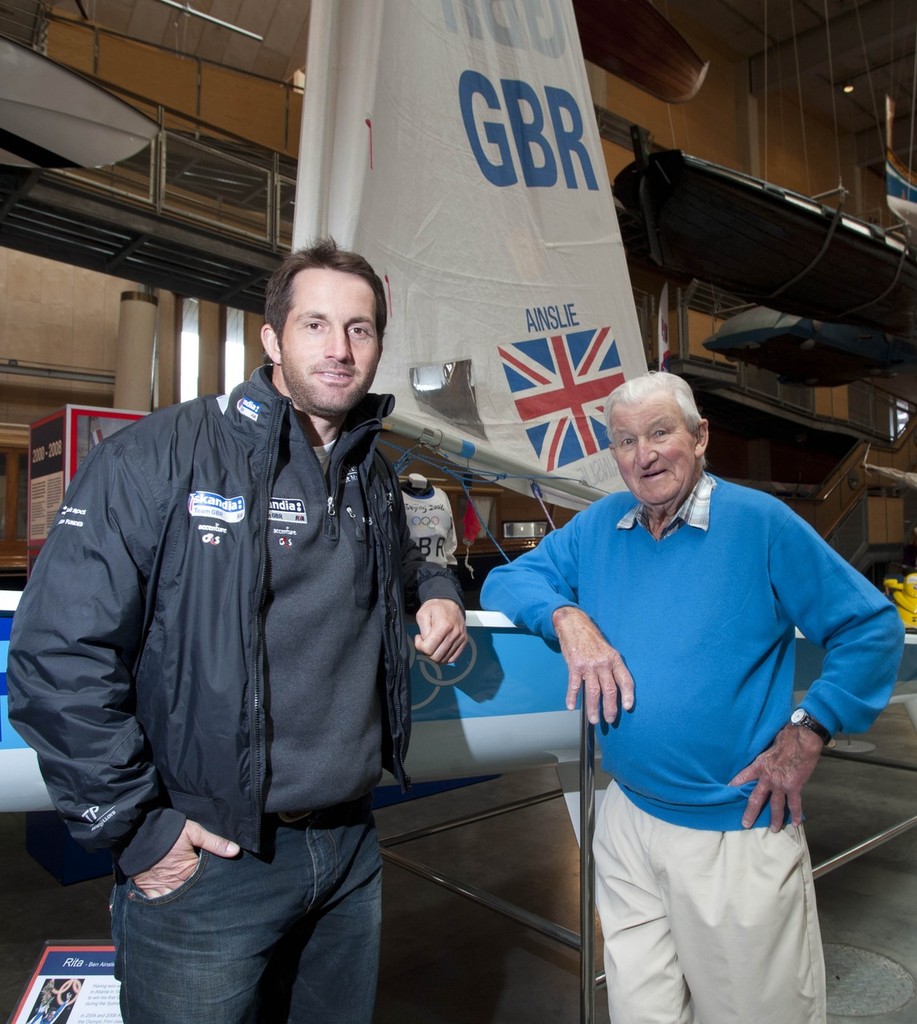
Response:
column 517, row 130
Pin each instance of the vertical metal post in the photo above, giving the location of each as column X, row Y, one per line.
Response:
column 587, row 870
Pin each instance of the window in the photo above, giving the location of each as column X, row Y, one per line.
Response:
column 234, row 349
column 190, row 354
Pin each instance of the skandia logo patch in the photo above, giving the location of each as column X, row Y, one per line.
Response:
column 249, row 408
column 287, row 510
column 207, row 503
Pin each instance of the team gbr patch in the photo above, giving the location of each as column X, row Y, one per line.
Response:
column 287, row 510
column 206, row 503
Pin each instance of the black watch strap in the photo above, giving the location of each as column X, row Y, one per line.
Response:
column 802, row 717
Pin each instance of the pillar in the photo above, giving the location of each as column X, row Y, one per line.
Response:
column 134, row 363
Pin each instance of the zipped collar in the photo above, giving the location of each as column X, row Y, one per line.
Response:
column 251, row 403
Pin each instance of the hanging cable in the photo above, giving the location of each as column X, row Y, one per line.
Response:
column 671, row 125
column 802, row 116
column 872, row 92
column 539, row 495
column 837, row 137
column 781, row 111
column 766, row 48
column 669, row 105
column 910, row 150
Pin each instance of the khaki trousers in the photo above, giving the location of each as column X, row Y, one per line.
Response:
column 706, row 927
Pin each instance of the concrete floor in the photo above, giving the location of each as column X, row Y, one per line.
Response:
column 449, row 960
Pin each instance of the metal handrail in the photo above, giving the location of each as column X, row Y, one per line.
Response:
column 584, row 943
column 846, row 856
column 587, row 867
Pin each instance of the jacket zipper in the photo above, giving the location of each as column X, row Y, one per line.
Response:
column 398, row 665
column 258, row 654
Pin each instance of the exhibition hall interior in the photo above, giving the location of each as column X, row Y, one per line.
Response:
column 754, row 235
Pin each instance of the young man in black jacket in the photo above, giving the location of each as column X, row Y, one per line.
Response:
column 210, row 660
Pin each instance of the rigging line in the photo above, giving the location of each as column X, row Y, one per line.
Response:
column 445, row 459
column 837, row 139
column 669, row 105
column 465, row 478
column 766, row 47
column 483, row 521
column 781, row 106
column 891, row 46
column 872, row 91
column 459, row 471
column 821, row 252
column 539, row 494
column 442, row 465
column 905, row 252
column 910, row 152
column 802, row 113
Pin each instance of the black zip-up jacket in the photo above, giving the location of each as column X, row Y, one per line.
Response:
column 136, row 657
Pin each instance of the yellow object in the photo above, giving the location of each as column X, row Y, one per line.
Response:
column 903, row 595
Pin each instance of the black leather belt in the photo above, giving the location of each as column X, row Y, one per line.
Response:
column 290, row 817
column 349, row 812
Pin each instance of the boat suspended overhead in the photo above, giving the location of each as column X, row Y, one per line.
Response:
column 768, row 245
column 900, row 180
column 52, row 117
column 901, row 190
column 805, row 351
column 636, row 42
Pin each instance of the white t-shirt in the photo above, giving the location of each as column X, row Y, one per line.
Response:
column 429, row 518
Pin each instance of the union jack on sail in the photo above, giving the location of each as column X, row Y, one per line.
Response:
column 559, row 385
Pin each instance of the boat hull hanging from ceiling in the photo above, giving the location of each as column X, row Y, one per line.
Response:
column 636, row 42
column 766, row 244
column 52, row 117
column 811, row 353
column 900, row 179
column 901, row 190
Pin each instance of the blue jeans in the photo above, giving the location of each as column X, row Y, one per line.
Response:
column 290, row 934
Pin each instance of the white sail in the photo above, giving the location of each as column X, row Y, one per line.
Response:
column 454, row 143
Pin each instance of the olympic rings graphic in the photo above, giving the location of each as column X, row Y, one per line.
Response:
column 433, row 673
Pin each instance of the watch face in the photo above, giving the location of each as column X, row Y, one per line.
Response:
column 797, row 716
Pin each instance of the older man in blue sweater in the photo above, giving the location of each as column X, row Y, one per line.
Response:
column 677, row 616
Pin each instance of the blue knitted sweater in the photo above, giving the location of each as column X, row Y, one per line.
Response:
column 705, row 621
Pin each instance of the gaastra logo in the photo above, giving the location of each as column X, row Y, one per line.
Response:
column 287, row 510
column 249, row 408
column 206, row 503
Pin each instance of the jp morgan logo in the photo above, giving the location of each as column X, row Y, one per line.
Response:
column 206, row 503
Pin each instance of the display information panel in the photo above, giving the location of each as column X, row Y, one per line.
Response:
column 57, row 445
column 73, row 983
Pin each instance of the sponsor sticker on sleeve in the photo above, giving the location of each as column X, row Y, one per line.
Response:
column 248, row 407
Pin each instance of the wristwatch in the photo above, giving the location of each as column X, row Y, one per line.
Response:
column 802, row 717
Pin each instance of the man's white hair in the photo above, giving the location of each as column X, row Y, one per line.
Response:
column 653, row 383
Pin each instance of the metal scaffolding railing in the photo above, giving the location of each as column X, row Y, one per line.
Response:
column 223, row 186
